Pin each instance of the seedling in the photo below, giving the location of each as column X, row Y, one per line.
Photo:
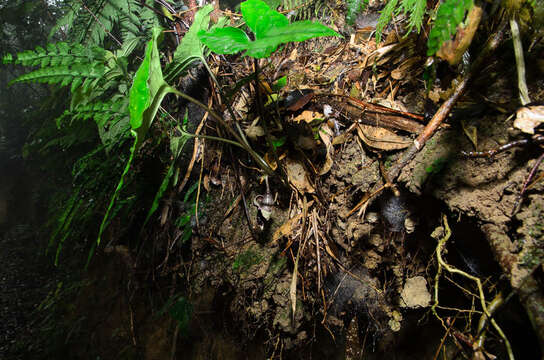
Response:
column 270, row 29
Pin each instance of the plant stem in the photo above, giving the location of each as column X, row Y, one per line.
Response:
column 520, row 62
column 260, row 161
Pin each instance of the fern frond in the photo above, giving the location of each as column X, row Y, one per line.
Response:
column 385, row 18
column 59, row 54
column 100, row 112
column 64, row 75
column 450, row 14
column 353, row 7
column 302, row 9
column 89, row 22
column 416, row 10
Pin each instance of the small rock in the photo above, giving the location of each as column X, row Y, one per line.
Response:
column 415, row 293
column 394, row 322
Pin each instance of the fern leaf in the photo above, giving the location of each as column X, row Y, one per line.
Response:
column 102, row 112
column 385, row 18
column 353, row 7
column 416, row 10
column 62, row 75
column 58, row 54
column 450, row 14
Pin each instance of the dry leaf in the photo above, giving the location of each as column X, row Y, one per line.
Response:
column 298, row 177
column 271, row 161
column 398, row 74
column 380, row 138
column 288, row 226
column 293, row 289
column 471, row 132
column 434, row 95
column 294, row 55
column 528, row 118
column 254, row 130
column 326, row 135
column 308, row 116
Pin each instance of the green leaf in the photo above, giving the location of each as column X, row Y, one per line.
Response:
column 190, row 48
column 176, row 146
column 276, row 143
column 271, row 30
column 227, row 40
column 147, row 91
column 297, row 31
column 280, row 83
column 260, row 18
column 146, row 94
column 450, row 14
column 113, row 198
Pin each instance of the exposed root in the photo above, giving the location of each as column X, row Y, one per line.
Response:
column 486, row 311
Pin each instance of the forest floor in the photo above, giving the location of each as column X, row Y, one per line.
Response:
column 26, row 278
column 346, row 265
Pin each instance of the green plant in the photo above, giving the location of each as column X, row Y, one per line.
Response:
column 184, row 220
column 245, row 260
column 437, row 166
column 270, row 29
column 449, row 15
column 89, row 22
column 414, row 8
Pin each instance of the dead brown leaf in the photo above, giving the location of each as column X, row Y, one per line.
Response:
column 380, row 138
column 253, row 131
column 298, row 176
column 326, row 135
column 528, row 118
column 308, row 116
column 289, row 226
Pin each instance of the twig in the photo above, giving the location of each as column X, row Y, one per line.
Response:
column 526, row 183
column 174, row 342
column 448, row 105
column 444, row 339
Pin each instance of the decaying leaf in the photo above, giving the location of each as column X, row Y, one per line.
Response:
column 253, row 131
column 471, row 132
column 528, row 118
column 298, row 177
column 380, row 138
column 326, row 135
column 308, row 116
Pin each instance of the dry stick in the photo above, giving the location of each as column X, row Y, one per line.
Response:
column 448, row 105
column 526, row 183
column 451, row 269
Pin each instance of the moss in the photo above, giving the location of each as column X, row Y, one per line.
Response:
column 246, row 260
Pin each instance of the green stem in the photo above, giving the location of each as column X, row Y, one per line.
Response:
column 260, row 161
column 216, row 138
column 520, row 62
